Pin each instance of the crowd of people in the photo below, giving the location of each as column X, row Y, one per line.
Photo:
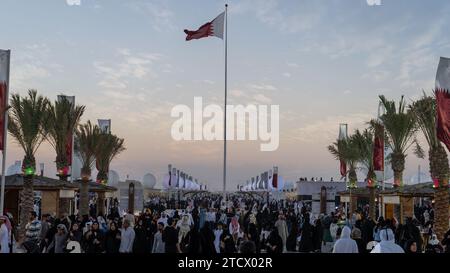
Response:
column 241, row 225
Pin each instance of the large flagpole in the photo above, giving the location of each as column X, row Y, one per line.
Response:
column 225, row 112
column 5, row 133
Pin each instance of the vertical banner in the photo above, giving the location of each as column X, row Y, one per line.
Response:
column 275, row 178
column 343, row 135
column 4, row 88
column 443, row 101
column 69, row 146
column 4, row 80
column 378, row 152
column 105, row 125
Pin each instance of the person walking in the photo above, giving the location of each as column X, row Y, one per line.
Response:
column 127, row 236
column 60, row 240
column 170, row 237
column 112, row 239
column 274, row 242
column 4, row 236
column 140, row 240
column 345, row 244
column 387, row 243
column 158, row 244
column 94, row 239
column 281, row 225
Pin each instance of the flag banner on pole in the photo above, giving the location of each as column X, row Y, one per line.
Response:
column 443, row 117
column 343, row 135
column 443, row 101
column 443, row 74
column 4, row 67
column 105, row 125
column 343, row 168
column 69, row 146
column 275, row 178
column 378, row 149
column 213, row 28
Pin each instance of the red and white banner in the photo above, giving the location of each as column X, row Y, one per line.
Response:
column 378, row 149
column 4, row 80
column 443, row 101
column 443, row 116
column 213, row 28
column 69, row 146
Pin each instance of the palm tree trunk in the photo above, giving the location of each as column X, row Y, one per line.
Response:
column 26, row 204
column 439, row 169
column 441, row 199
column 84, row 197
column 398, row 166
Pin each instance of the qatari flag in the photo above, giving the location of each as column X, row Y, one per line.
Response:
column 69, row 146
column 378, row 149
column 443, row 101
column 213, row 28
column 275, row 178
column 4, row 80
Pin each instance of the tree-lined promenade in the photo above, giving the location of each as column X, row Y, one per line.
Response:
column 33, row 119
column 398, row 127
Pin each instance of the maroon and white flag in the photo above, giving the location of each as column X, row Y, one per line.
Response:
column 378, row 149
column 213, row 28
column 443, row 101
column 4, row 80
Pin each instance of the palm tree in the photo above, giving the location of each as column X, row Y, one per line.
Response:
column 364, row 143
column 86, row 142
column 27, row 117
column 346, row 151
column 425, row 113
column 400, row 127
column 110, row 147
column 63, row 119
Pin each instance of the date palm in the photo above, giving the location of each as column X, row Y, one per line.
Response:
column 110, row 147
column 63, row 120
column 27, row 117
column 364, row 143
column 346, row 150
column 424, row 110
column 87, row 140
column 400, row 127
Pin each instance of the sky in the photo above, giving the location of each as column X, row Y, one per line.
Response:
column 324, row 62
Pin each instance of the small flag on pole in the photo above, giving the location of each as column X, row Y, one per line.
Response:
column 213, row 28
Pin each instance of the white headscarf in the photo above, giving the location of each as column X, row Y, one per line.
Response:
column 345, row 244
column 434, row 240
column 387, row 244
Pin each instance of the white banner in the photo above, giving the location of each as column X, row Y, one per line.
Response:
column 105, row 125
column 443, row 74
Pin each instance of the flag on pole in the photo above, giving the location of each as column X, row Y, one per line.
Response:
column 213, row 28
column 275, row 178
column 378, row 149
column 443, row 74
column 443, row 101
column 343, row 134
column 4, row 71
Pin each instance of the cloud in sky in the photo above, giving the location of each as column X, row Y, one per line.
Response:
column 130, row 66
column 158, row 12
column 303, row 55
column 73, row 2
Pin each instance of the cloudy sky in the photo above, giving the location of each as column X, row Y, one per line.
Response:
column 323, row 61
